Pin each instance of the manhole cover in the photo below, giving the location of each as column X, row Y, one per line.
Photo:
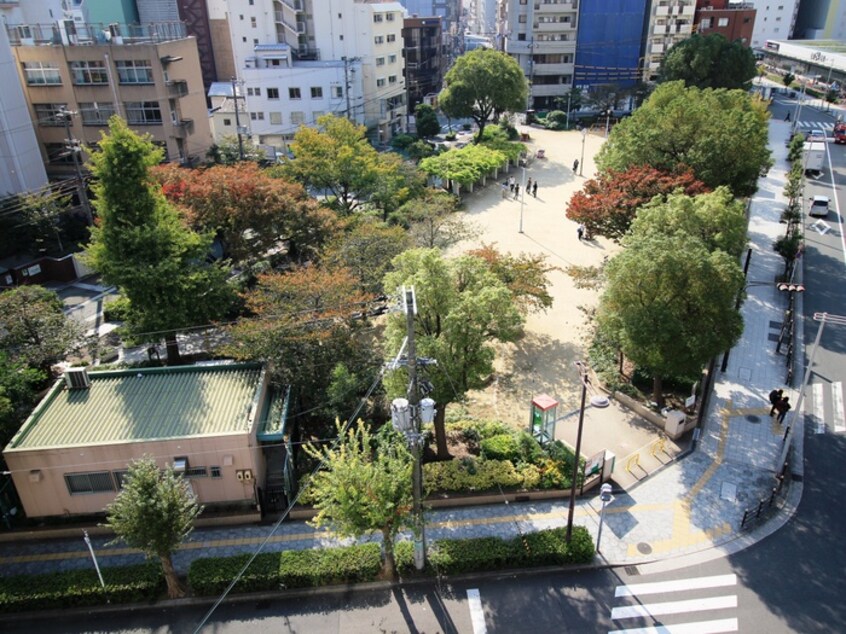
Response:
column 599, row 401
column 644, row 548
column 753, row 419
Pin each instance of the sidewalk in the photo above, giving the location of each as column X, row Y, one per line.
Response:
column 693, row 504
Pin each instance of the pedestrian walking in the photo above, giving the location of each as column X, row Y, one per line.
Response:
column 529, row 184
column 575, row 166
column 505, row 189
column 782, row 407
column 511, row 183
column 775, row 397
column 580, row 231
column 516, row 191
column 535, row 189
column 787, row 116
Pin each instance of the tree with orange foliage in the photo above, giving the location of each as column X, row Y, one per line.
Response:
column 525, row 275
column 607, row 204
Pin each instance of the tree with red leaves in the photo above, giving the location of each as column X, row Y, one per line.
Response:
column 608, row 204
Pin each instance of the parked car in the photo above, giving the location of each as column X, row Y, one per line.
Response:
column 818, row 207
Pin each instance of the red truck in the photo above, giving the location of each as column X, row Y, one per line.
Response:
column 840, row 132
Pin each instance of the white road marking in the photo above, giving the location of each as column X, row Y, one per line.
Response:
column 817, row 408
column 477, row 615
column 700, row 627
column 837, row 406
column 674, row 607
column 677, row 585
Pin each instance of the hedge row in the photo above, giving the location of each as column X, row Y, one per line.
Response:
column 288, row 569
column 81, row 588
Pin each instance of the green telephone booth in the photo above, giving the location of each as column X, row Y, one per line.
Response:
column 542, row 421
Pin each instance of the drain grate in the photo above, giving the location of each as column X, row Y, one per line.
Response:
column 632, row 571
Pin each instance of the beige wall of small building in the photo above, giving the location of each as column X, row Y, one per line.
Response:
column 177, row 87
column 39, row 474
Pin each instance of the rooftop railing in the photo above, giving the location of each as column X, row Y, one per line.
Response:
column 70, row 33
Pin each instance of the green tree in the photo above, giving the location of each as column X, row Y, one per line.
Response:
column 142, row 247
column 482, row 84
column 228, row 152
column 525, row 275
column 788, row 79
column 18, row 390
column 154, row 512
column 709, row 61
column 669, row 305
column 462, row 309
column 721, row 134
column 716, row 218
column 34, row 328
column 431, row 220
column 364, row 487
column 426, row 120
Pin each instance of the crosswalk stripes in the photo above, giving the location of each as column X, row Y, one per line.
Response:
column 835, row 420
column 640, row 606
column 821, row 125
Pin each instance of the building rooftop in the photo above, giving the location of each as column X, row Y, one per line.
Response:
column 70, row 33
column 145, row 404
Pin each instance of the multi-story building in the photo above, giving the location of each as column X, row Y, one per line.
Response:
column 773, row 21
column 821, row 20
column 734, row 21
column 149, row 75
column 21, row 167
column 541, row 36
column 424, row 62
column 670, row 22
column 610, row 40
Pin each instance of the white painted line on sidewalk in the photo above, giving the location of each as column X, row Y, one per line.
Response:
column 837, row 406
column 477, row 615
column 817, row 408
column 677, row 585
column 700, row 627
column 674, row 607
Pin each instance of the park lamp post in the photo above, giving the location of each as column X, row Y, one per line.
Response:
column 582, row 161
column 605, row 496
column 583, row 375
column 407, row 418
column 522, row 198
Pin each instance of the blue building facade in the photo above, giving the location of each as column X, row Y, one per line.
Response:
column 610, row 42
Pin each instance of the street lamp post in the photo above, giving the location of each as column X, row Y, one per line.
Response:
column 522, row 198
column 798, row 110
column 582, row 161
column 583, row 375
column 606, row 497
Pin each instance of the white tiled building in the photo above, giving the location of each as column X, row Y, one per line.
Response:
column 774, row 20
column 670, row 22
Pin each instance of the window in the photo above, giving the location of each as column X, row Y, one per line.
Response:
column 227, row 122
column 317, row 92
column 722, row 21
column 58, row 154
column 143, row 112
column 392, row 79
column 705, row 23
column 297, row 118
column 392, row 59
column 257, row 116
column 120, row 478
column 380, row 82
column 339, row 92
column 380, row 61
column 134, row 72
column 392, row 37
column 521, row 37
column 42, row 74
column 379, row 39
column 96, row 113
column 215, row 472
column 90, row 72
column 275, row 118
column 48, row 114
column 389, row 17
column 522, row 19
column 97, row 482
column 377, row 17
column 196, row 472
column 294, row 93
column 253, row 22
column 273, row 93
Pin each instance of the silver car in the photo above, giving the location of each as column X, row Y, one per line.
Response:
column 818, row 207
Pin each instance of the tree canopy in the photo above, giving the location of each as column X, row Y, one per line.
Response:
column 364, row 487
column 141, row 246
column 607, row 204
column 431, row 220
column 462, row 309
column 154, row 512
column 426, row 120
column 34, row 329
column 18, row 390
column 721, row 134
column 709, row 61
column 482, row 84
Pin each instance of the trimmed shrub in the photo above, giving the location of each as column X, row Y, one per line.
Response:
column 402, row 141
column 556, row 120
column 501, row 447
column 80, row 588
column 529, row 448
column 470, row 475
column 212, row 575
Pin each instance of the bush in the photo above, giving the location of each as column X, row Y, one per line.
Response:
column 556, row 120
column 470, row 475
column 116, row 309
column 402, row 141
column 501, row 447
column 529, row 448
column 477, row 430
column 450, row 136
column 288, row 569
column 80, row 588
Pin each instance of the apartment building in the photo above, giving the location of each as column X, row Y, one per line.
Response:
column 149, row 75
column 541, row 36
column 734, row 21
column 821, row 20
column 774, row 20
column 670, row 22
column 424, row 60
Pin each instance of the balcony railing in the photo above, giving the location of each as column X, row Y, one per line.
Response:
column 177, row 88
column 70, row 33
column 183, row 128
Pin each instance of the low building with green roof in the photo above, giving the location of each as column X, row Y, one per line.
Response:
column 217, row 424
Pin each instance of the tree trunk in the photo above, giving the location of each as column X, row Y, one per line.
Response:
column 440, row 433
column 174, row 587
column 389, row 567
column 172, row 349
column 658, row 391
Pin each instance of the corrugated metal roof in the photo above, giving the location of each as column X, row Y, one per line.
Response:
column 145, row 404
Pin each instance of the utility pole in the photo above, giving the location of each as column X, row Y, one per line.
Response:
column 235, row 98
column 417, row 447
column 347, row 61
column 74, row 148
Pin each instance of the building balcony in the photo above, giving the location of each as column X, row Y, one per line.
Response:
column 549, row 90
column 660, row 29
column 176, row 88
column 183, row 128
column 549, row 6
column 70, row 33
column 553, row 69
column 293, row 5
column 555, row 27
